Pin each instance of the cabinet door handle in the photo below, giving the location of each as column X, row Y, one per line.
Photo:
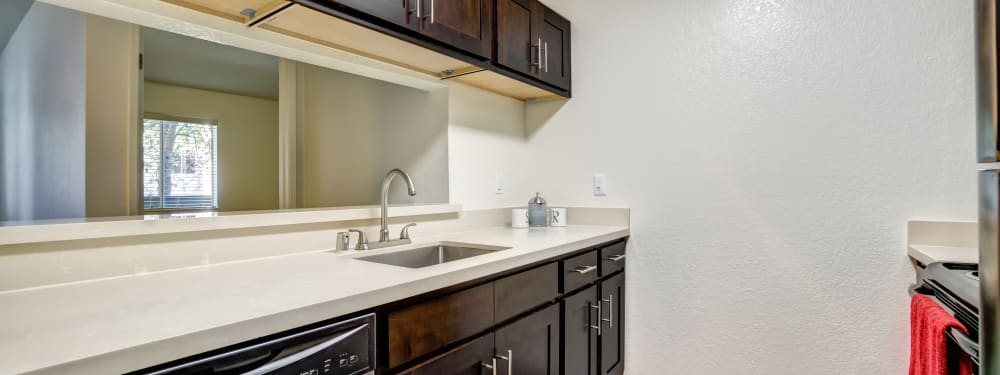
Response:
column 421, row 15
column 583, row 269
column 616, row 258
column 510, row 361
column 546, row 57
column 538, row 54
column 611, row 311
column 490, row 366
column 598, row 326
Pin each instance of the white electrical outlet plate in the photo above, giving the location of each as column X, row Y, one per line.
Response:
column 499, row 189
column 600, row 184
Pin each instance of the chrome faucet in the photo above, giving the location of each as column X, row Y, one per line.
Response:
column 383, row 234
column 344, row 238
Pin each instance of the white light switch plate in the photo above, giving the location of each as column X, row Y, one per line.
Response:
column 600, row 184
column 499, row 189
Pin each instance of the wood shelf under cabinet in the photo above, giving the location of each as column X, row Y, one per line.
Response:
column 358, row 37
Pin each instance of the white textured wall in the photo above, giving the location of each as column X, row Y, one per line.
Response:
column 771, row 151
column 42, row 84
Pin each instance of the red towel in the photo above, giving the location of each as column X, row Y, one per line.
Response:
column 928, row 341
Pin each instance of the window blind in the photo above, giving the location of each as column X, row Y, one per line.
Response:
column 180, row 163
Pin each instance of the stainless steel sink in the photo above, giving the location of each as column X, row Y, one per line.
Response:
column 432, row 255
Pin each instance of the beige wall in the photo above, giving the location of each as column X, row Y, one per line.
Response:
column 248, row 140
column 355, row 129
column 112, row 101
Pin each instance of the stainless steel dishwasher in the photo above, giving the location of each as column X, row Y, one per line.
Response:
column 342, row 348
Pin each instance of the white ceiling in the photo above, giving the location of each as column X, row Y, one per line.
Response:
column 185, row 61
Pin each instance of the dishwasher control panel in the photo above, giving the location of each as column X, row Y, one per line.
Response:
column 348, row 357
column 341, row 348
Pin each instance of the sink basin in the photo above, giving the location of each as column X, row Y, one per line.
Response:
column 432, row 255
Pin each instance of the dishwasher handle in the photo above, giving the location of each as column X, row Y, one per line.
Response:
column 304, row 353
column 968, row 345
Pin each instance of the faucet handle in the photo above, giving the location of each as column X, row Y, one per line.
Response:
column 405, row 233
column 343, row 241
column 362, row 239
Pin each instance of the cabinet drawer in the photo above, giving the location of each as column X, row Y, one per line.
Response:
column 612, row 258
column 419, row 329
column 521, row 292
column 467, row 359
column 579, row 270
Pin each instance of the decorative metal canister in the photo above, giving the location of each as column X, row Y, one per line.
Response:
column 538, row 211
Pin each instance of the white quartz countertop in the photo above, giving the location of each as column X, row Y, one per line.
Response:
column 128, row 323
column 928, row 254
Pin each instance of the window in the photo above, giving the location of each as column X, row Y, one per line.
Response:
column 179, row 163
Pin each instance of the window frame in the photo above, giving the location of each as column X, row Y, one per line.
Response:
column 142, row 162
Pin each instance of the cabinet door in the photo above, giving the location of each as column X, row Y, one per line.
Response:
column 579, row 335
column 555, row 58
column 399, row 12
column 464, row 24
column 517, row 37
column 613, row 327
column 530, row 345
column 468, row 359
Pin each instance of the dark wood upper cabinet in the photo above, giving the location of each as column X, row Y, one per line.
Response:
column 555, row 58
column 465, row 24
column 519, row 48
column 517, row 37
column 531, row 344
column 613, row 328
column 534, row 40
column 399, row 12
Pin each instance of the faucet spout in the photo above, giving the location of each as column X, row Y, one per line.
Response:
column 386, row 183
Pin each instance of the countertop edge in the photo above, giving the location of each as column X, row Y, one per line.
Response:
column 928, row 254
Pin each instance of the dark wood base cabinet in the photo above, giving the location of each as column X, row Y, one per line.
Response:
column 594, row 329
column 562, row 316
column 612, row 340
column 580, row 332
column 530, row 345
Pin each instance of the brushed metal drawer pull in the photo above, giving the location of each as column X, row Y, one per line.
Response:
column 510, row 361
column 598, row 307
column 616, row 258
column 490, row 366
column 611, row 311
column 583, row 269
